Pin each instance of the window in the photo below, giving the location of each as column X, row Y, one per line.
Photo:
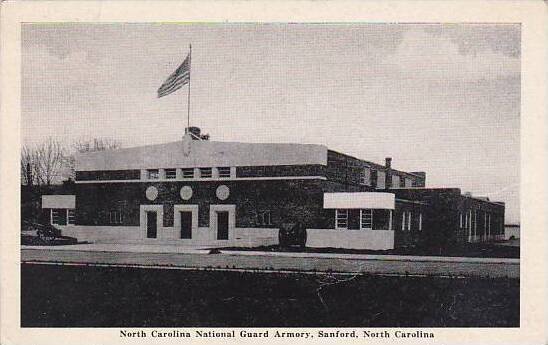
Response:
column 71, row 217
column 153, row 174
column 264, row 218
column 341, row 219
column 460, row 220
column 171, row 173
column 365, row 178
column 115, row 216
column 420, row 221
column 188, row 172
column 409, row 221
column 205, row 173
column 395, row 181
column 406, row 221
column 224, row 172
column 366, row 219
column 408, row 182
column 381, row 180
column 56, row 217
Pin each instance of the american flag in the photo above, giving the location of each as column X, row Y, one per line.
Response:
column 177, row 79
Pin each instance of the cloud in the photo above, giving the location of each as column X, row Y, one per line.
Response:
column 433, row 58
column 474, row 38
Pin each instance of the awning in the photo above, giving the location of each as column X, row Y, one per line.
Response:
column 359, row 200
column 58, row 201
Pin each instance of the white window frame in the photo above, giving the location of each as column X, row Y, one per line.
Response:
column 71, row 216
column 396, row 178
column 409, row 221
column 174, row 176
column 341, row 214
column 379, row 174
column 264, row 218
column 115, row 216
column 224, row 175
column 365, row 177
column 55, row 216
column 406, row 221
column 366, row 216
column 408, row 182
column 187, row 173
column 206, row 169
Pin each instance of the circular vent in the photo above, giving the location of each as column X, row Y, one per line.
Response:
column 186, row 193
column 222, row 192
column 151, row 193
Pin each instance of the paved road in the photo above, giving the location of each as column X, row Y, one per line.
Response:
column 224, row 260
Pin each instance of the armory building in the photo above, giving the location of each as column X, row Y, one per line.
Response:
column 239, row 194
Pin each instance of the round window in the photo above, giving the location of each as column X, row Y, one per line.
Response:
column 151, row 193
column 222, row 192
column 186, row 193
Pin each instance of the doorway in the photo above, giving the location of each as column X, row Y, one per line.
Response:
column 222, row 225
column 186, row 224
column 152, row 225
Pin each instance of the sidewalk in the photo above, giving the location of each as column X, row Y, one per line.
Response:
column 125, row 248
column 153, row 248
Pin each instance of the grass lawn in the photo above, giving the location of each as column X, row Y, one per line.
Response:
column 70, row 296
column 478, row 250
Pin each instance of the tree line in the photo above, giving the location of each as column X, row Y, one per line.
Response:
column 50, row 162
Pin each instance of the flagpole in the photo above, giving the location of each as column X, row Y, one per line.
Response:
column 189, row 76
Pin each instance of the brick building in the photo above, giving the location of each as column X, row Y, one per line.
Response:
column 221, row 193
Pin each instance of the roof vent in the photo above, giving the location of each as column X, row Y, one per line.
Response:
column 196, row 133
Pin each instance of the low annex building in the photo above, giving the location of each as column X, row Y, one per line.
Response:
column 238, row 194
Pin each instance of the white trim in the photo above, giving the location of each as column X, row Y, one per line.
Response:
column 58, row 201
column 379, row 174
column 207, row 153
column 231, row 209
column 350, row 239
column 210, row 179
column 408, row 220
column 370, row 211
column 346, row 215
column 177, row 220
column 159, row 220
column 359, row 200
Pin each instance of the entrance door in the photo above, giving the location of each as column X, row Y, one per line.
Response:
column 222, row 225
column 151, row 224
column 186, row 224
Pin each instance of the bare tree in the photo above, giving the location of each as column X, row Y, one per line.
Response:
column 27, row 166
column 96, row 144
column 91, row 145
column 42, row 165
column 49, row 160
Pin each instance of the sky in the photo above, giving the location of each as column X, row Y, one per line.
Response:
column 444, row 99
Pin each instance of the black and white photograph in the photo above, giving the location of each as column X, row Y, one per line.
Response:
column 298, row 181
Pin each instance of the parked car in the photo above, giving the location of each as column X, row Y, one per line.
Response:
column 43, row 234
